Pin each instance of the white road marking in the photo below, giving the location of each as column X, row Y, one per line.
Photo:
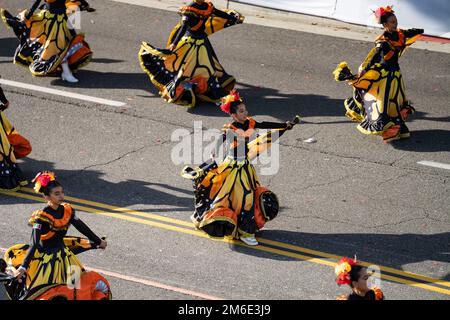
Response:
column 155, row 284
column 435, row 164
column 147, row 283
column 67, row 94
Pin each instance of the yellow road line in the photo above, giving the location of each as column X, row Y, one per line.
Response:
column 114, row 215
column 118, row 209
column 364, row 263
column 333, row 264
column 262, row 240
column 203, row 235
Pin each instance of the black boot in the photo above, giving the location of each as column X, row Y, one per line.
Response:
column 8, row 181
column 18, row 174
column 404, row 131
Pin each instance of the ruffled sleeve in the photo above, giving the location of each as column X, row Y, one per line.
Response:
column 378, row 293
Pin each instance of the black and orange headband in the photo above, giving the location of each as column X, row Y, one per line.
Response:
column 42, row 179
column 382, row 12
column 342, row 270
column 230, row 101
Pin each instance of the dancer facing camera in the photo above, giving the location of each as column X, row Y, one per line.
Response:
column 379, row 101
column 48, row 258
column 229, row 198
column 349, row 272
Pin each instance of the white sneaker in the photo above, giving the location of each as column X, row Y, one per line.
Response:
column 68, row 77
column 66, row 74
column 251, row 241
column 195, row 222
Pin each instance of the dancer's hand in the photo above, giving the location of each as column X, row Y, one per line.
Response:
column 23, row 15
column 172, row 47
column 19, row 274
column 5, row 106
column 103, row 245
column 289, row 125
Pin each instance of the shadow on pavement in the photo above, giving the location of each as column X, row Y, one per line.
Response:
column 89, row 185
column 425, row 141
column 105, row 60
column 393, row 250
column 109, row 80
column 423, row 116
column 8, row 45
column 271, row 102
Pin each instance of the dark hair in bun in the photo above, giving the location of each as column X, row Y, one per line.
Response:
column 48, row 189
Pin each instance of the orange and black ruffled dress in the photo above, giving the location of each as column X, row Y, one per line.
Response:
column 51, row 254
column 12, row 147
column 379, row 101
column 373, row 294
column 229, row 199
column 46, row 39
column 192, row 70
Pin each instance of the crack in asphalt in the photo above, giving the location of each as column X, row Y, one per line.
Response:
column 115, row 159
column 326, row 183
column 427, row 215
column 391, row 164
column 396, row 178
column 397, row 160
column 127, row 113
column 122, row 156
column 330, row 153
column 108, row 162
column 100, row 108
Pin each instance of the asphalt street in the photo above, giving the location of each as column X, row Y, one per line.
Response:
column 345, row 194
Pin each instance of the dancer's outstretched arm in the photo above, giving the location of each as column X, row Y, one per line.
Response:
column 222, row 14
column 271, row 125
column 3, row 97
column 412, row 32
column 33, row 9
column 181, row 32
column 85, row 230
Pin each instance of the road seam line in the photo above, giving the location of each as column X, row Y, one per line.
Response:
column 261, row 248
column 148, row 283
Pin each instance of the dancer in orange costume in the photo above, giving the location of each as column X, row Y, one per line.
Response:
column 379, row 101
column 349, row 272
column 51, row 255
column 189, row 69
column 12, row 147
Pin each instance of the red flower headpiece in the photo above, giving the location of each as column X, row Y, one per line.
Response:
column 226, row 101
column 42, row 179
column 342, row 270
column 381, row 11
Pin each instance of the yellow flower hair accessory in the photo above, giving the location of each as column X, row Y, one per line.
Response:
column 42, row 179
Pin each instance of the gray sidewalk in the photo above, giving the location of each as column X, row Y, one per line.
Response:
column 293, row 21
